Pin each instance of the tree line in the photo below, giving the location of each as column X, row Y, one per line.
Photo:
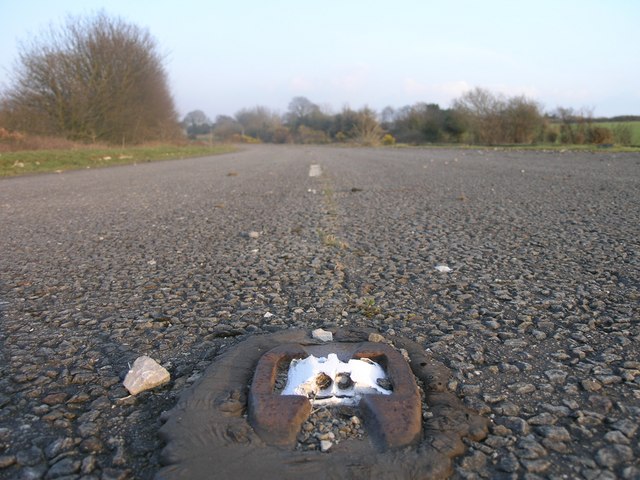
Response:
column 479, row 116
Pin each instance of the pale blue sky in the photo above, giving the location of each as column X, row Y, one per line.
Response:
column 226, row 55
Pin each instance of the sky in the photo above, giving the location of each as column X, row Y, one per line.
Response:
column 224, row 55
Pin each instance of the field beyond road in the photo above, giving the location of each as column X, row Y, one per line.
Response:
column 538, row 317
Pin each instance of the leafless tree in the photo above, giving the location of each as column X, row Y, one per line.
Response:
column 226, row 127
column 523, row 120
column 259, row 122
column 299, row 109
column 196, row 117
column 482, row 112
column 95, row 79
column 493, row 118
column 367, row 130
column 196, row 123
column 575, row 126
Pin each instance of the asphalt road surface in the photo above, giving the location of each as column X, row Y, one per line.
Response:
column 537, row 314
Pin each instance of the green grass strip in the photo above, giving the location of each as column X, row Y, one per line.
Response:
column 42, row 161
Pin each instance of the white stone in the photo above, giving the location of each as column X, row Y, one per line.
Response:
column 443, row 268
column 322, row 335
column 254, row 234
column 325, row 445
column 145, row 374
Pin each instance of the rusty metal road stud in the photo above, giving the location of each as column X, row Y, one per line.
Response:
column 393, row 420
column 232, row 424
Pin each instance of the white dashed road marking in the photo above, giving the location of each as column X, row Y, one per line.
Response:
column 315, row 170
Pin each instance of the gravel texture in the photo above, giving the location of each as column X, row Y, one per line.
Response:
column 538, row 318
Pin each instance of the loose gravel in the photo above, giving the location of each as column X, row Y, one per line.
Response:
column 538, row 318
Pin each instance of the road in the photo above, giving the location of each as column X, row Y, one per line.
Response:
column 538, row 317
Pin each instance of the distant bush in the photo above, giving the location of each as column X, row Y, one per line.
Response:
column 551, row 136
column 366, row 129
column 10, row 137
column 341, row 137
column 573, row 132
column 281, row 134
column 599, row 135
column 388, row 139
column 310, row 135
column 12, row 141
column 237, row 138
column 495, row 119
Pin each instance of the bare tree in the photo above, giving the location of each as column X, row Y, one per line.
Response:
column 196, row 117
column 95, row 78
column 259, row 122
column 226, row 127
column 523, row 120
column 494, row 119
column 575, row 126
column 482, row 112
column 196, row 123
column 566, row 117
column 388, row 115
column 299, row 109
column 304, row 113
column 367, row 130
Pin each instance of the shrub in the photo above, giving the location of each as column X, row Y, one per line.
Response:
column 310, row 135
column 12, row 141
column 237, row 138
column 551, row 136
column 10, row 137
column 341, row 137
column 599, row 135
column 366, row 130
column 92, row 79
column 388, row 139
column 281, row 135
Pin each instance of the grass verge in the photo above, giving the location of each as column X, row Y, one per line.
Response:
column 41, row 161
column 542, row 147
